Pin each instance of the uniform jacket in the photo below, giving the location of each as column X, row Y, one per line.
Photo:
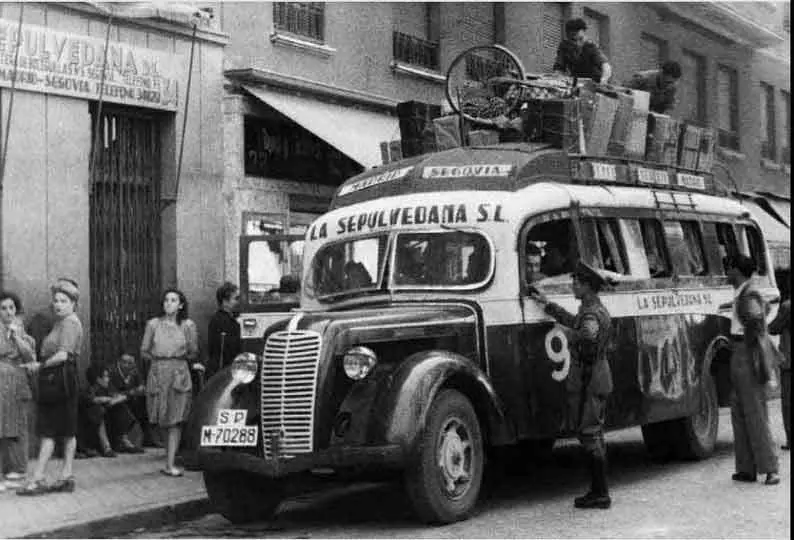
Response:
column 782, row 326
column 590, row 343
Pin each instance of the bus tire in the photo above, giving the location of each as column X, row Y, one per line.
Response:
column 241, row 499
column 444, row 478
column 696, row 436
column 658, row 441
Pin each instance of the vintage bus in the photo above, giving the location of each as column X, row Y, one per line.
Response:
column 416, row 348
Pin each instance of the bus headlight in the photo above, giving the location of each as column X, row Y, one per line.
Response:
column 358, row 362
column 244, row 368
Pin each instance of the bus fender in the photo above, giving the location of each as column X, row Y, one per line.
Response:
column 415, row 385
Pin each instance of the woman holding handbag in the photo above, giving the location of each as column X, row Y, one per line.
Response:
column 170, row 346
column 57, row 389
column 16, row 348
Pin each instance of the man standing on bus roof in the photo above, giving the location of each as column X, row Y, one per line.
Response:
column 589, row 381
column 661, row 84
column 579, row 57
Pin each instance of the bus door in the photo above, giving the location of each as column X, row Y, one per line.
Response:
column 270, row 271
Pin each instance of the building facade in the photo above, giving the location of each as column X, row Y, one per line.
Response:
column 90, row 192
column 325, row 79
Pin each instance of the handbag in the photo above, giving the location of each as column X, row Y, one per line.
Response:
column 57, row 383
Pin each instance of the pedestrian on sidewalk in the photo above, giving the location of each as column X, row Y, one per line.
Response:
column 223, row 339
column 107, row 414
column 16, row 348
column 170, row 345
column 589, row 382
column 126, row 378
column 752, row 371
column 782, row 326
column 58, row 418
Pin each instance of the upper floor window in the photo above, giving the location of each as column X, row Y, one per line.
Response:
column 305, row 19
column 653, row 52
column 785, row 151
column 768, row 146
column 416, row 34
column 728, row 101
column 692, row 88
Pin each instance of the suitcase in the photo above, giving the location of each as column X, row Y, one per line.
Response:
column 415, row 119
column 447, row 132
column 555, row 121
column 483, row 137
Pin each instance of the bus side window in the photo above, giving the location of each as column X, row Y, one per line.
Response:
column 712, row 248
column 604, row 245
column 655, row 248
column 635, row 248
column 550, row 251
column 729, row 245
column 755, row 246
column 686, row 247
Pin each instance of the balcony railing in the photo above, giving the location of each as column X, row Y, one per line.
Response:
column 305, row 19
column 416, row 51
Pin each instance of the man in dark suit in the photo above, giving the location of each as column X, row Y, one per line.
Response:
column 224, row 331
column 589, row 381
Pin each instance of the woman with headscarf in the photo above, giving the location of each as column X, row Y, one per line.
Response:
column 58, row 418
column 170, row 345
column 16, row 348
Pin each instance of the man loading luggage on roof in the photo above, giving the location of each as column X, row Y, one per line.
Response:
column 579, row 57
column 660, row 83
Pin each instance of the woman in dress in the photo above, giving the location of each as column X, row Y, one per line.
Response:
column 59, row 418
column 16, row 348
column 170, row 346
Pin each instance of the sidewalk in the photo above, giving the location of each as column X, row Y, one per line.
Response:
column 127, row 491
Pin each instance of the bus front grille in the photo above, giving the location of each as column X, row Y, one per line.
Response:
column 289, row 385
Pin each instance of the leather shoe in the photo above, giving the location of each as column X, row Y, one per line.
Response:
column 772, row 479
column 743, row 477
column 591, row 500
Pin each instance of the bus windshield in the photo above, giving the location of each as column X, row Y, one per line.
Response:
column 347, row 267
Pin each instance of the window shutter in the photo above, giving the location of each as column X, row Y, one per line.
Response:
column 552, row 33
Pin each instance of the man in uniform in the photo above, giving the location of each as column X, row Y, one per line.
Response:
column 661, row 84
column 579, row 57
column 589, row 382
column 224, row 333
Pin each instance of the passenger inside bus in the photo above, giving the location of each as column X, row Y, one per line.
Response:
column 356, row 276
column 548, row 250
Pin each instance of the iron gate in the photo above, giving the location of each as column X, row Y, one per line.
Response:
column 124, row 231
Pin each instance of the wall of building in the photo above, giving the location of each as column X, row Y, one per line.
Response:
column 45, row 212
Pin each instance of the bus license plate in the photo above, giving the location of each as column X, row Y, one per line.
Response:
column 229, row 435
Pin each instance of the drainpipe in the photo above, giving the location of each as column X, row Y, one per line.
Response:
column 7, row 133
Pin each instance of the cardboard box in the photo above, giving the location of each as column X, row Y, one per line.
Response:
column 637, row 136
column 483, row 137
column 447, row 132
column 395, row 150
column 622, row 125
column 557, row 122
column 598, row 113
column 689, row 146
column 416, row 130
column 663, row 134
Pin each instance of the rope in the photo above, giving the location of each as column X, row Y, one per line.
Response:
column 184, row 114
column 98, row 119
column 11, row 97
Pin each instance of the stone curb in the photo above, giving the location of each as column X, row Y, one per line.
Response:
column 123, row 524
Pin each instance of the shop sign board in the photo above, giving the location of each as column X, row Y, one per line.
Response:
column 67, row 64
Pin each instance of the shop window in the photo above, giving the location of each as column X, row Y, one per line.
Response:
column 286, row 151
column 549, row 251
column 305, row 19
column 728, row 103
column 686, row 247
column 767, row 122
column 415, row 39
column 754, row 247
column 655, row 248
